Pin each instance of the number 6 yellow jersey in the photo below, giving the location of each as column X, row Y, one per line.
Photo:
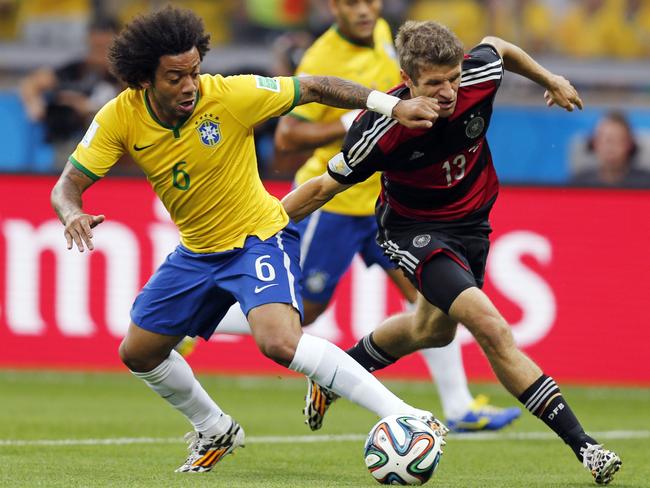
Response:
column 204, row 169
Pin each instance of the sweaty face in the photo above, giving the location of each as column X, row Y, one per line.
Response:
column 173, row 92
column 356, row 19
column 439, row 82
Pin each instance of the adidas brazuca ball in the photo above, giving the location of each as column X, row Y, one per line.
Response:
column 402, row 450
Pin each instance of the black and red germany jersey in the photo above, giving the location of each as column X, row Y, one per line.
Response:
column 444, row 173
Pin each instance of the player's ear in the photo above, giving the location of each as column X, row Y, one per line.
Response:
column 406, row 78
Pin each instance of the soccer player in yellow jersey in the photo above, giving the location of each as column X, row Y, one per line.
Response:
column 192, row 135
column 346, row 224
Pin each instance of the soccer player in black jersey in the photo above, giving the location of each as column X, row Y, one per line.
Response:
column 438, row 186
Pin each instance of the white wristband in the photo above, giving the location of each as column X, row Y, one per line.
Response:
column 381, row 103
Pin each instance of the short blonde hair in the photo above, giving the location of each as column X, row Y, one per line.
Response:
column 427, row 43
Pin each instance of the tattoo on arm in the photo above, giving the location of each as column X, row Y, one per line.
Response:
column 66, row 194
column 332, row 91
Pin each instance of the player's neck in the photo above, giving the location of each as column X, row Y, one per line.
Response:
column 161, row 115
column 368, row 42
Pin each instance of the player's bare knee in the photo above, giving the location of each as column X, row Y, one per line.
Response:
column 435, row 330
column 439, row 336
column 441, row 339
column 130, row 361
column 138, row 365
column 279, row 349
column 495, row 337
column 136, row 362
column 123, row 352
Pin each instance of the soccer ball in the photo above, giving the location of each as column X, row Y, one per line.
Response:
column 402, row 450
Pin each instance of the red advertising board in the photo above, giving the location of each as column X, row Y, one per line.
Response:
column 567, row 268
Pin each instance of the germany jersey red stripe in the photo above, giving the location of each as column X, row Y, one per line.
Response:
column 444, row 173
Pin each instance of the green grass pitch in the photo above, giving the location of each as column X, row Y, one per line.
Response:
column 108, row 430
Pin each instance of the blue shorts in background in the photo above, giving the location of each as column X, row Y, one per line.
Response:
column 329, row 241
column 191, row 292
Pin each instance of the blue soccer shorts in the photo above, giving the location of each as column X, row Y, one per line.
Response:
column 329, row 241
column 191, row 292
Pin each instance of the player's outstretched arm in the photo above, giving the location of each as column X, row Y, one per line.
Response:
column 311, row 195
column 559, row 90
column 415, row 113
column 66, row 201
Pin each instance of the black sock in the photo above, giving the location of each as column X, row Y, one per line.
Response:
column 369, row 355
column 544, row 400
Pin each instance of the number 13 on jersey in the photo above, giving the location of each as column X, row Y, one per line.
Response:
column 454, row 170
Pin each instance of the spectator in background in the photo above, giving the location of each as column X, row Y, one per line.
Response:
column 615, row 153
column 633, row 39
column 261, row 21
column 604, row 28
column 65, row 99
column 585, row 29
column 288, row 49
column 468, row 18
column 536, row 19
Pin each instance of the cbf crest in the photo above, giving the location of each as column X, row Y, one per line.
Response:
column 208, row 129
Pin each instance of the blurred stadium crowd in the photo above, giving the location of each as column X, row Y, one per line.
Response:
column 581, row 28
column 52, row 50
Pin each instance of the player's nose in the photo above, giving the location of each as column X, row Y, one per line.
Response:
column 447, row 92
column 190, row 85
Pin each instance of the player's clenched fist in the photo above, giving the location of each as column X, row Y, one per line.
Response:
column 417, row 113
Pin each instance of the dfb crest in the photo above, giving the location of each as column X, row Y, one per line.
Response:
column 474, row 127
column 421, row 240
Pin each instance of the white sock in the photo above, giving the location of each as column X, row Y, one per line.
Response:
column 446, row 366
column 331, row 367
column 174, row 381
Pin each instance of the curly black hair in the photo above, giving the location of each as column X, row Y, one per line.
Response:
column 135, row 53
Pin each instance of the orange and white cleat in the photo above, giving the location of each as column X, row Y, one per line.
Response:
column 205, row 452
column 317, row 401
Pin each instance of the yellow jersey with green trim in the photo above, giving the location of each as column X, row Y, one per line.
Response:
column 375, row 67
column 204, row 169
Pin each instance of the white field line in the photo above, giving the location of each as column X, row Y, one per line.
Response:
column 304, row 439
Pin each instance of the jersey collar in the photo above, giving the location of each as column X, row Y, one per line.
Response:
column 174, row 128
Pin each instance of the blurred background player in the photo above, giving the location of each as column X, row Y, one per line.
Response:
column 359, row 47
column 613, row 156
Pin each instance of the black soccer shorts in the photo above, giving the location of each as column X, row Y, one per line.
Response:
column 440, row 263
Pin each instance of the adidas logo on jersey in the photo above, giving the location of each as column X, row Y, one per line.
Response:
column 416, row 155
